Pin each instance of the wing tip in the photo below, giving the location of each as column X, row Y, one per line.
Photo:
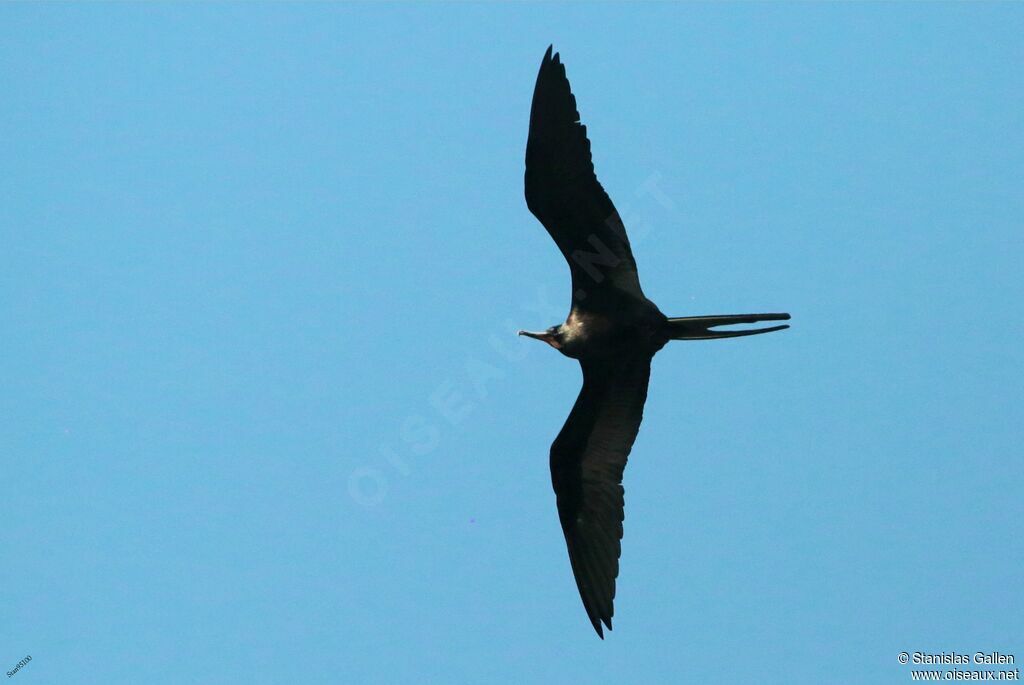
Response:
column 551, row 57
column 598, row 628
column 596, row 622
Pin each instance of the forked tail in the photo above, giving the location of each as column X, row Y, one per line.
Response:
column 699, row 327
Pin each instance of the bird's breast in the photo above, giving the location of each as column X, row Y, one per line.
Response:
column 592, row 336
column 584, row 335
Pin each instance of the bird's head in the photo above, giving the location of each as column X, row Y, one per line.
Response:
column 552, row 336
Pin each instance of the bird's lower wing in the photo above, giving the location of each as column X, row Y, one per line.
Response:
column 587, row 461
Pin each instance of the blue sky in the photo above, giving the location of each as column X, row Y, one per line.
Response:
column 264, row 418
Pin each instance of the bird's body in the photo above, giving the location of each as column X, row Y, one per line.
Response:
column 612, row 329
column 588, row 335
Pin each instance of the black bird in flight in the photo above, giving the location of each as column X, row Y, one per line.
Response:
column 612, row 329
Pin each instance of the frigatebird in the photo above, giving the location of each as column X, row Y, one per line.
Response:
column 612, row 329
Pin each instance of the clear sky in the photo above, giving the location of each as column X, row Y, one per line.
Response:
column 264, row 417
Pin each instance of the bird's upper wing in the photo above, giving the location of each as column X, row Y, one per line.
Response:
column 587, row 460
column 565, row 195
